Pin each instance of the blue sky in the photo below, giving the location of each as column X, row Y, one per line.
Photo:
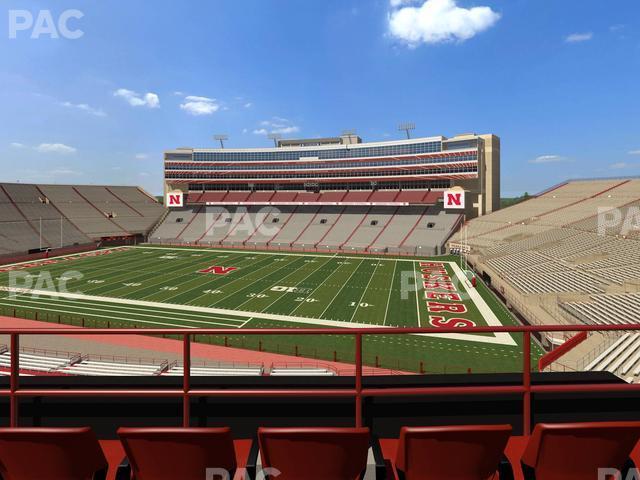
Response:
column 557, row 80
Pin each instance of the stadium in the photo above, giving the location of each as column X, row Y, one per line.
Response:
column 229, row 252
column 313, row 234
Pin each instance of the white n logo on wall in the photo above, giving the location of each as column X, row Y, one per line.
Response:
column 454, row 198
column 175, row 199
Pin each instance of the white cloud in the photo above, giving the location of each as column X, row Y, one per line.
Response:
column 16, row 145
column 634, row 152
column 623, row 165
column 397, row 3
column 59, row 148
column 194, row 105
column 579, row 37
column 85, row 108
column 437, row 21
column 141, row 156
column 65, row 172
column 149, row 100
column 549, row 159
column 178, row 93
column 248, row 105
column 277, row 125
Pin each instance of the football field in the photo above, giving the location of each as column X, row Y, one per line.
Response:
column 149, row 286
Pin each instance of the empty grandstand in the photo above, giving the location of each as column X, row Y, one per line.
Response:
column 42, row 217
column 570, row 254
column 335, row 194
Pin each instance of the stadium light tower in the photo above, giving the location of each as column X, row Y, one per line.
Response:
column 275, row 137
column 221, row 138
column 407, row 127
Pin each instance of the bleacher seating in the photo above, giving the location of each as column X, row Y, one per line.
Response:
column 398, row 228
column 301, row 371
column 34, row 362
column 215, row 371
column 550, row 250
column 57, row 216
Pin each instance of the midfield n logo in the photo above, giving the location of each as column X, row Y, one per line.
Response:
column 218, row 270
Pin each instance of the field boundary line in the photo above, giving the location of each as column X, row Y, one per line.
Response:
column 249, row 315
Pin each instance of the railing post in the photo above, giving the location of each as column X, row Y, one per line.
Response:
column 358, row 379
column 15, row 377
column 526, row 380
column 186, row 377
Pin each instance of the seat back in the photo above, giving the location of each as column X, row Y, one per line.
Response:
column 51, row 453
column 470, row 452
column 575, row 451
column 314, row 453
column 177, row 453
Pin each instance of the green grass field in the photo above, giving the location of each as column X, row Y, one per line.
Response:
column 151, row 286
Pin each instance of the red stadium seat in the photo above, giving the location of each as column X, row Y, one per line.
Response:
column 453, row 452
column 176, row 453
column 315, row 453
column 575, row 451
column 51, row 454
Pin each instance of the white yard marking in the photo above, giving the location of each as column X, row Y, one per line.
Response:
column 365, row 291
column 416, row 279
column 301, row 281
column 343, row 285
column 393, row 276
column 124, row 310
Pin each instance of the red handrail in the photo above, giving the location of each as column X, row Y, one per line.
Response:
column 357, row 393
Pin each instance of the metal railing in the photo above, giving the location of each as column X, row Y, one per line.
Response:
column 357, row 392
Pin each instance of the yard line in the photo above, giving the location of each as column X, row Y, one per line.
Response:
column 417, row 300
column 343, row 285
column 202, row 281
column 364, row 291
column 334, row 257
column 124, row 319
column 130, row 310
column 134, row 276
column 304, row 265
column 83, row 311
column 237, row 291
column 191, row 273
column 393, row 277
column 301, row 281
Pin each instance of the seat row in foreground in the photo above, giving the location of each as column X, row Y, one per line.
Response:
column 579, row 451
